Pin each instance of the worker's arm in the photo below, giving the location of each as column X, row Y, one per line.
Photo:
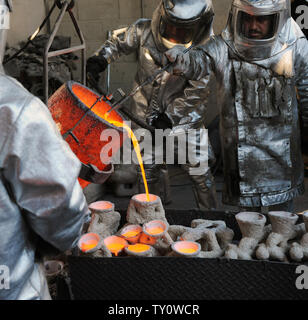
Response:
column 123, row 41
column 42, row 172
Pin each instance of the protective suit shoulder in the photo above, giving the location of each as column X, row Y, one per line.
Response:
column 12, row 91
column 13, row 98
column 214, row 47
column 209, row 57
column 298, row 33
column 40, row 168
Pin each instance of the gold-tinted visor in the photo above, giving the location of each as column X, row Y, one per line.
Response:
column 176, row 34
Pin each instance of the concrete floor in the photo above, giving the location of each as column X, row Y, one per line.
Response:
column 181, row 193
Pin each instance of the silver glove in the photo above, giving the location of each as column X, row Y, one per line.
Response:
column 181, row 61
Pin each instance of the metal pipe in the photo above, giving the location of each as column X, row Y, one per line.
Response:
column 65, row 7
column 47, row 47
column 108, row 68
column 48, row 27
column 83, row 43
column 64, row 51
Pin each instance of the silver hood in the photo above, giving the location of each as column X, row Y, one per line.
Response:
column 183, row 13
column 285, row 34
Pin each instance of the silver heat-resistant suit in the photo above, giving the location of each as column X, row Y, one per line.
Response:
column 40, row 197
column 259, row 81
column 183, row 102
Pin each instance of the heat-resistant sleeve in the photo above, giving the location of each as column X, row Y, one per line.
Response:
column 42, row 172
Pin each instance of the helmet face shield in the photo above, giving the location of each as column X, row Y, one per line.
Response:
column 182, row 22
column 175, row 33
column 260, row 29
column 257, row 27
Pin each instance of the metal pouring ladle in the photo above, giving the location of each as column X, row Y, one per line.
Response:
column 116, row 105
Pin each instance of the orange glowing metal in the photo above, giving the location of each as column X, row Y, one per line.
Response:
column 115, row 244
column 101, row 205
column 136, row 148
column 131, row 234
column 145, row 239
column 100, row 109
column 144, row 197
column 187, row 250
column 88, row 241
column 89, row 245
column 67, row 111
column 118, row 122
column 138, row 247
column 68, row 106
column 186, row 247
column 155, row 230
column 115, row 248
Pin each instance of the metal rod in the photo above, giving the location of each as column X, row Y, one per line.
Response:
column 83, row 50
column 48, row 27
column 108, row 69
column 65, row 51
column 70, row 131
column 150, row 79
column 47, row 47
column 48, row 54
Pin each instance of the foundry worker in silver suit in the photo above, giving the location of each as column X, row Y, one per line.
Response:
column 40, row 197
column 169, row 101
column 260, row 60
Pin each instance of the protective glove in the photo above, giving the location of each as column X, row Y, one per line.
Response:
column 181, row 61
column 96, row 65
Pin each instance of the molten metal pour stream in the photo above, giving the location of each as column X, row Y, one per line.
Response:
column 136, row 148
column 95, row 108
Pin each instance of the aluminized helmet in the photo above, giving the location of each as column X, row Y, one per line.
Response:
column 5, row 9
column 182, row 22
column 259, row 28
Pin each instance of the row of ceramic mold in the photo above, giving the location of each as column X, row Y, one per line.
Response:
column 144, row 235
column 148, row 234
column 281, row 240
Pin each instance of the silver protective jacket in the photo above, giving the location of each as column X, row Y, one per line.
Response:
column 259, row 120
column 40, row 196
column 183, row 101
column 259, row 49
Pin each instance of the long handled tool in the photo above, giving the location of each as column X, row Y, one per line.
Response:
column 116, row 105
column 150, row 79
